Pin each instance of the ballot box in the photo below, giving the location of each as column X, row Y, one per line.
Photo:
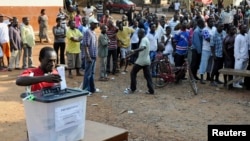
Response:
column 55, row 115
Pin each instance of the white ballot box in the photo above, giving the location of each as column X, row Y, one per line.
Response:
column 56, row 115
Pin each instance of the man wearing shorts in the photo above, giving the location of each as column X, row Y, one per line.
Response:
column 123, row 38
column 73, row 51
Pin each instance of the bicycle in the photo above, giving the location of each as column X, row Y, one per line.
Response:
column 165, row 73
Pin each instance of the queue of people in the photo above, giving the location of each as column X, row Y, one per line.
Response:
column 213, row 40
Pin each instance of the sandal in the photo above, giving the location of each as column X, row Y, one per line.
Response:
column 147, row 92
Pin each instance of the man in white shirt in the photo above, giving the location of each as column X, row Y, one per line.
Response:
column 206, row 55
column 173, row 23
column 134, row 40
column 142, row 62
column 63, row 17
column 4, row 38
column 89, row 11
column 177, row 6
column 241, row 52
column 227, row 17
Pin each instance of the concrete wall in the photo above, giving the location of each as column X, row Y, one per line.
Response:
column 31, row 9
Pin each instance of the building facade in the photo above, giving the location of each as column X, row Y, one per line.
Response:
column 31, row 9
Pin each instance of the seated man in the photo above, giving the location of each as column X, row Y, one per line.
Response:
column 45, row 75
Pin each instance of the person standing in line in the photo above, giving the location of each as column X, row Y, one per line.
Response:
column 103, row 41
column 99, row 10
column 134, row 41
column 241, row 53
column 28, row 39
column 89, row 11
column 168, row 43
column 63, row 17
column 152, row 37
column 123, row 37
column 228, row 50
column 90, row 52
column 74, row 37
column 177, row 6
column 4, row 39
column 105, row 18
column 206, row 54
column 15, row 45
column 112, row 47
column 78, row 19
column 83, row 28
column 59, row 32
column 197, row 49
column 216, row 44
column 43, row 26
column 181, row 49
column 142, row 62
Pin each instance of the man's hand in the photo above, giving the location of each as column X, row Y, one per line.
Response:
column 89, row 59
column 52, row 78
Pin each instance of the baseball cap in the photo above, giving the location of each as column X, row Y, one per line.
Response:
column 93, row 20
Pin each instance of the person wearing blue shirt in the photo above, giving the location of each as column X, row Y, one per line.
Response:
column 216, row 44
column 197, row 48
column 182, row 43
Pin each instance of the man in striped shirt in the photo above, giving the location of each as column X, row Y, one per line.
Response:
column 99, row 10
column 90, row 52
column 112, row 46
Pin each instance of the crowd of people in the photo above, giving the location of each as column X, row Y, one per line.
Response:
column 214, row 38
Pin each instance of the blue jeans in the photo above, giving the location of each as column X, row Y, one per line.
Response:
column 205, row 56
column 89, row 75
column 152, row 55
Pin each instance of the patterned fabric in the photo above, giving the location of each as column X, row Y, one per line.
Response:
column 90, row 41
column 111, row 32
column 217, row 43
column 182, row 42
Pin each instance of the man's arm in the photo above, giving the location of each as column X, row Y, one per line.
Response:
column 132, row 52
column 236, row 48
column 29, row 80
column 12, row 38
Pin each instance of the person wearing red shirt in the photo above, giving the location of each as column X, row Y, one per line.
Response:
column 45, row 75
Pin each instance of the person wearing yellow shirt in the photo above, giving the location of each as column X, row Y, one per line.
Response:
column 28, row 39
column 123, row 37
column 73, row 52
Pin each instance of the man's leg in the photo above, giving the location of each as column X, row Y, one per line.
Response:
column 114, row 60
column 214, row 71
column 30, row 57
column 194, row 63
column 18, row 58
column 238, row 66
column 70, row 63
column 133, row 74
column 12, row 60
column 56, row 48
column 25, row 55
column 78, row 63
column 146, row 72
column 62, row 55
column 6, row 51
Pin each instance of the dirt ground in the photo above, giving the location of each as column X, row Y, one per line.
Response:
column 172, row 114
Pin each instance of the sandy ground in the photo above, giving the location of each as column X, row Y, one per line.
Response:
column 172, row 114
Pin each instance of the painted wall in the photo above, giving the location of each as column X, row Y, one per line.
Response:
column 31, row 9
